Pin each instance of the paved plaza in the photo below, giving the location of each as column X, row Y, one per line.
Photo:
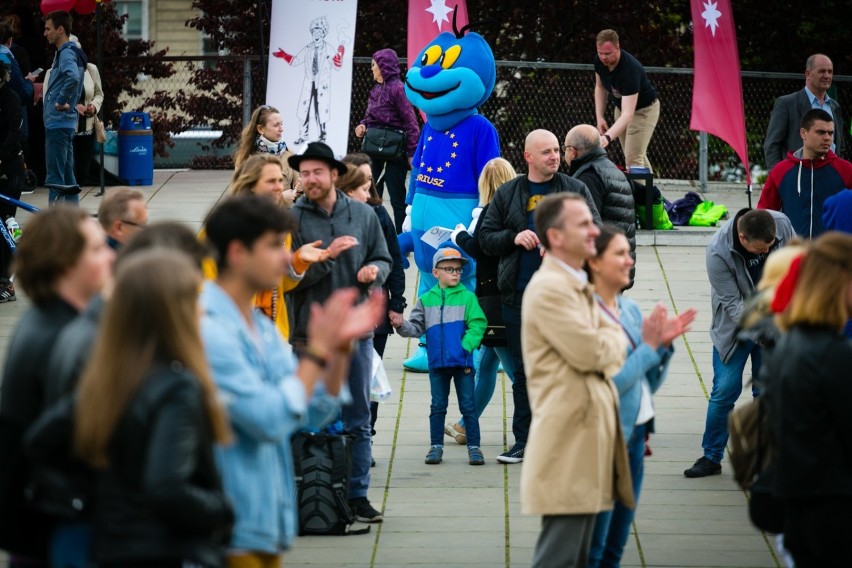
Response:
column 453, row 514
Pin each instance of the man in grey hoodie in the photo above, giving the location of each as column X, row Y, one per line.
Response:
column 358, row 257
column 60, row 115
column 735, row 258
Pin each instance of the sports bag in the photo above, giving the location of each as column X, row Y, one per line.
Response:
column 323, row 465
column 384, row 143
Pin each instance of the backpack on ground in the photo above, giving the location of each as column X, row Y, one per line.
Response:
column 323, row 465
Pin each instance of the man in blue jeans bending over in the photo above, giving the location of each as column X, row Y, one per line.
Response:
column 61, row 95
column 735, row 258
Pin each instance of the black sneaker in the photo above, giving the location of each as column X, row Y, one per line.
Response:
column 364, row 512
column 7, row 291
column 703, row 467
column 515, row 455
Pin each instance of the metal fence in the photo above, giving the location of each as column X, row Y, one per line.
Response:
column 528, row 95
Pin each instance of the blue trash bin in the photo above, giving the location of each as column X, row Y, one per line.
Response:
column 135, row 148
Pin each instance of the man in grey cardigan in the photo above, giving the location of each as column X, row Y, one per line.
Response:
column 735, row 258
column 358, row 257
column 782, row 134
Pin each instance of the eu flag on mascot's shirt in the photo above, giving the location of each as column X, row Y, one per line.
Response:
column 428, row 18
column 717, row 94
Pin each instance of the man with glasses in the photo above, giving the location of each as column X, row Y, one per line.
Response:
column 588, row 162
column 508, row 232
column 122, row 213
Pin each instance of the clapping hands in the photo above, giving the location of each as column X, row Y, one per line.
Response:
column 660, row 330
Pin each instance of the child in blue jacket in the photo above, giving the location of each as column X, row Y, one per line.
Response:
column 454, row 324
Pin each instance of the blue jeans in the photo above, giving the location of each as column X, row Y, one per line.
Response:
column 356, row 416
column 439, row 381
column 727, row 388
column 612, row 528
column 522, row 417
column 486, row 376
column 59, row 161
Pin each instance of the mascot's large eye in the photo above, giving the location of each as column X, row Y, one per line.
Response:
column 431, row 56
column 450, row 56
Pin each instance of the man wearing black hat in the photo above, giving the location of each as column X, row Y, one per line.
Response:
column 359, row 257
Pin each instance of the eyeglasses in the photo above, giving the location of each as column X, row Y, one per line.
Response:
column 565, row 148
column 451, row 269
column 133, row 223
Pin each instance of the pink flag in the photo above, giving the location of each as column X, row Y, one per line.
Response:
column 428, row 18
column 717, row 94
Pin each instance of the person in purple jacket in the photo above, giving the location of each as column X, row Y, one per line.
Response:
column 389, row 107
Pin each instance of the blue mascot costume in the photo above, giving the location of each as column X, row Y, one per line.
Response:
column 452, row 76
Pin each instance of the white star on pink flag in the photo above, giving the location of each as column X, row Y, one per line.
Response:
column 717, row 93
column 428, row 18
column 711, row 15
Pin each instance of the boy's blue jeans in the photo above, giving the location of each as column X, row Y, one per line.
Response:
column 612, row 528
column 727, row 388
column 439, row 380
column 59, row 162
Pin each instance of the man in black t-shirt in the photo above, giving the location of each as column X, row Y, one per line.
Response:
column 621, row 79
column 508, row 232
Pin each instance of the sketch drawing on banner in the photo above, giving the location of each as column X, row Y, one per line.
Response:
column 319, row 59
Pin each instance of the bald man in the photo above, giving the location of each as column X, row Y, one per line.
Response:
column 508, row 232
column 782, row 134
column 611, row 191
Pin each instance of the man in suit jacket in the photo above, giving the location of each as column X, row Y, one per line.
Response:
column 575, row 461
column 782, row 135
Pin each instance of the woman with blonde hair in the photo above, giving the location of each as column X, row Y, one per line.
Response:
column 809, row 399
column 493, row 352
column 147, row 416
column 263, row 135
column 264, row 174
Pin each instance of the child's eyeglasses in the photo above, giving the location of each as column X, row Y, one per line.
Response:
column 451, row 269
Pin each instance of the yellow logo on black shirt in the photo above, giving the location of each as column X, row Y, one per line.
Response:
column 533, row 202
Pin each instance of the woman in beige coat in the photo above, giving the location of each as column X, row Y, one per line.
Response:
column 575, row 464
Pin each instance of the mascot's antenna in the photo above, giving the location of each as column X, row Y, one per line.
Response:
column 460, row 33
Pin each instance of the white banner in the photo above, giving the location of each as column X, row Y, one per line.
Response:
column 310, row 69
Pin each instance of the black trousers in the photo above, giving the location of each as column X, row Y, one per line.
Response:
column 84, row 152
column 391, row 174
